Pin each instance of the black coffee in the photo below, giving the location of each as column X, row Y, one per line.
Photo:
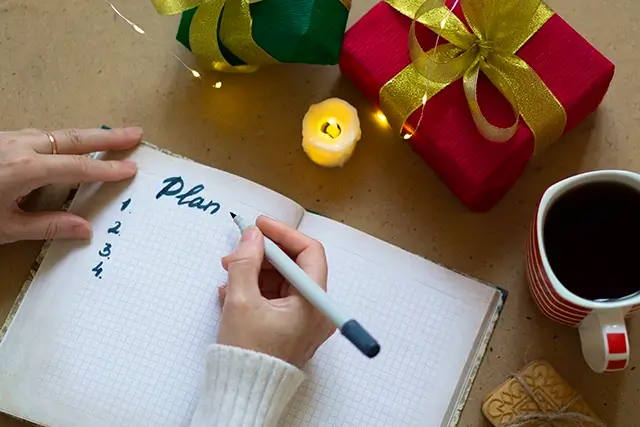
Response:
column 591, row 237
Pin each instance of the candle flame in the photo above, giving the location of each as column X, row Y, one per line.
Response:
column 331, row 128
column 407, row 135
column 218, row 85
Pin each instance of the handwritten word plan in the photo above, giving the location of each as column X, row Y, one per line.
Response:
column 174, row 187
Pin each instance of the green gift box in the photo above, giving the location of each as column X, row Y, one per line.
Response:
column 241, row 35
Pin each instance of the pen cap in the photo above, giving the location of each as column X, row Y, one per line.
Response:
column 354, row 332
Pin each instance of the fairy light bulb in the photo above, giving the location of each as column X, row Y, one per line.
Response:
column 381, row 118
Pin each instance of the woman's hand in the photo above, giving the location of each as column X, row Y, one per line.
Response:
column 28, row 162
column 261, row 311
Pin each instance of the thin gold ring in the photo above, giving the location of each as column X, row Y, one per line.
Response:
column 54, row 144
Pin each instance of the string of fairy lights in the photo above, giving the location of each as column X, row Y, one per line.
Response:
column 142, row 32
column 379, row 114
column 410, row 133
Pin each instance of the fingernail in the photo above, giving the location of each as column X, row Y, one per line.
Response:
column 82, row 231
column 134, row 131
column 129, row 165
column 222, row 293
column 250, row 234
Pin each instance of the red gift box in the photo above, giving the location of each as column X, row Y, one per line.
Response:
column 478, row 171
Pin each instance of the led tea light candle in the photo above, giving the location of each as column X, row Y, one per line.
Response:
column 330, row 131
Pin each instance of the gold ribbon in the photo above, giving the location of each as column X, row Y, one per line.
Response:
column 233, row 18
column 499, row 28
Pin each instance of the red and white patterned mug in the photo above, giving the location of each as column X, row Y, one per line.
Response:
column 601, row 324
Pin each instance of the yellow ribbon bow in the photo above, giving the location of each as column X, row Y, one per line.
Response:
column 499, row 28
column 233, row 18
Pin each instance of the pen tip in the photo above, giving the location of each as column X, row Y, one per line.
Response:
column 232, row 215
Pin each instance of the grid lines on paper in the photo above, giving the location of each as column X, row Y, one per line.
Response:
column 132, row 353
column 395, row 388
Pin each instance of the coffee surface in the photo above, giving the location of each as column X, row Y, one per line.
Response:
column 591, row 238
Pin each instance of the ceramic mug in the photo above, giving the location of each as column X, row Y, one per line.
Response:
column 601, row 324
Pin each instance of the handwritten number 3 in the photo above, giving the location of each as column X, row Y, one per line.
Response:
column 106, row 251
column 115, row 229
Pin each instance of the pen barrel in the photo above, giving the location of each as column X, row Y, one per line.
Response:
column 304, row 284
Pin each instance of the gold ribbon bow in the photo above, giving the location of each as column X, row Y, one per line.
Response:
column 233, row 18
column 499, row 28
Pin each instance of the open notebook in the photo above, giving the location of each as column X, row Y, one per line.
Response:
column 113, row 333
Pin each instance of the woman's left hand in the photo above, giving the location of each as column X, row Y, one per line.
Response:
column 30, row 159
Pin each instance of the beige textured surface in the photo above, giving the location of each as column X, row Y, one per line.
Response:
column 70, row 63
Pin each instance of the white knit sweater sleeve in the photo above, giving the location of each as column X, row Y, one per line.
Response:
column 243, row 388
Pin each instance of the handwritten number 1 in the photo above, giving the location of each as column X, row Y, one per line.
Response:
column 125, row 204
column 98, row 269
column 115, row 229
column 106, row 251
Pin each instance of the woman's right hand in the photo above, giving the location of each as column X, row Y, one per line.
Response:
column 261, row 310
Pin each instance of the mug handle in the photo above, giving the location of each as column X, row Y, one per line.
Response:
column 605, row 341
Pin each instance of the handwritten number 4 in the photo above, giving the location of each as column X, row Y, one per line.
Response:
column 106, row 251
column 98, row 269
column 115, row 229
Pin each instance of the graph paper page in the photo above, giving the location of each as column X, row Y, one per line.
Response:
column 113, row 332
column 426, row 318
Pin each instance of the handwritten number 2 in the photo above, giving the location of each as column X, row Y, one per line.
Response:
column 106, row 251
column 115, row 229
column 98, row 269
